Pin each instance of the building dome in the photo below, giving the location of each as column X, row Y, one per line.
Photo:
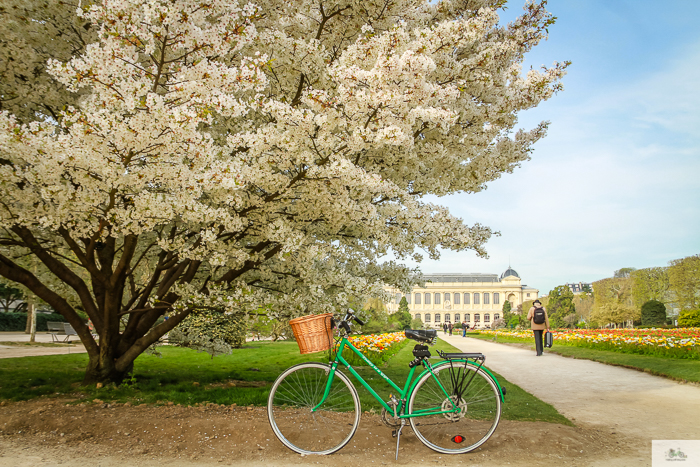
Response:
column 510, row 272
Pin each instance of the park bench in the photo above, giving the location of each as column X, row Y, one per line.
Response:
column 57, row 328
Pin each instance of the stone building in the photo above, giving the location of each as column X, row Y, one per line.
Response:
column 475, row 298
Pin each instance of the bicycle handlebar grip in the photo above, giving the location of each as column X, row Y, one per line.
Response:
column 358, row 321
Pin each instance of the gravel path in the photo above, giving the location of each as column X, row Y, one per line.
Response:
column 592, row 394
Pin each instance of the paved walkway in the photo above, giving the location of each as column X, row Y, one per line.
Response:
column 13, row 351
column 627, row 402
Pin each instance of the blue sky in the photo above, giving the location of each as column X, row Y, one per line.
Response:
column 616, row 181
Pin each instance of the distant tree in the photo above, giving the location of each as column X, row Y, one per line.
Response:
column 613, row 301
column 8, row 295
column 570, row 320
column 584, row 305
column 623, row 273
column 684, row 282
column 375, row 311
column 586, row 289
column 561, row 305
column 689, row 318
column 507, row 307
column 402, row 317
column 649, row 284
column 416, row 324
column 653, row 313
column 403, row 305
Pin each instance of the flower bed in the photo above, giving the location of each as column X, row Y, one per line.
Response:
column 671, row 343
column 378, row 348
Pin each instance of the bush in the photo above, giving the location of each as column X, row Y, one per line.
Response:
column 689, row 318
column 416, row 324
column 653, row 313
column 499, row 323
column 12, row 322
column 374, row 326
column 17, row 322
column 210, row 331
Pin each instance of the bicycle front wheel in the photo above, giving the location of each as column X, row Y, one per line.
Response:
column 290, row 409
column 455, row 432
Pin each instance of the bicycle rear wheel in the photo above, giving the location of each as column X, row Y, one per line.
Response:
column 289, row 409
column 475, row 393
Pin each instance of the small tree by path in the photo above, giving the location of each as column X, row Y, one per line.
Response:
column 653, row 313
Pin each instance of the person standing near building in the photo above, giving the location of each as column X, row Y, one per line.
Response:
column 449, row 326
column 539, row 322
column 464, row 328
column 444, row 328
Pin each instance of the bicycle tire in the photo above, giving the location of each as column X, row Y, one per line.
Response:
column 295, row 392
column 461, row 432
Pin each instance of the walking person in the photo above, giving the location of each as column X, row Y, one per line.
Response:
column 539, row 322
column 464, row 328
column 449, row 326
column 444, row 328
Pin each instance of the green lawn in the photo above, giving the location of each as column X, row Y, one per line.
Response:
column 679, row 369
column 183, row 376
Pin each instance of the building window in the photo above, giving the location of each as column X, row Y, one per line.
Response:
column 427, row 317
column 476, row 299
column 456, row 299
column 447, row 297
column 477, row 318
column 417, row 296
column 496, row 298
column 466, row 298
column 437, row 298
column 437, row 317
column 496, row 316
column 427, row 299
column 456, row 315
column 528, row 295
column 486, row 298
column 466, row 317
column 447, row 317
column 417, row 315
column 408, row 299
column 487, row 318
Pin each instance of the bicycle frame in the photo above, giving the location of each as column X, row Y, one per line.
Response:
column 403, row 393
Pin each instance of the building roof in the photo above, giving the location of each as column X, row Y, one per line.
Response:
column 471, row 277
column 510, row 272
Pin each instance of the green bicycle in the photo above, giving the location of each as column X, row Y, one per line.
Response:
column 453, row 406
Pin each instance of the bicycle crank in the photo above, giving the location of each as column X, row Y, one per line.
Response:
column 389, row 420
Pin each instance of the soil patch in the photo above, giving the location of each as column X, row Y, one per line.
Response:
column 47, row 432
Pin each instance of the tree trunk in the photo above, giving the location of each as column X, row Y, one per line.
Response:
column 31, row 312
column 101, row 368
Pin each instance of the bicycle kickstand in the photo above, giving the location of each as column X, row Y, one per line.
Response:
column 397, row 433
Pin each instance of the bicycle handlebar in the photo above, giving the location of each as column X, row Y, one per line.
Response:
column 349, row 316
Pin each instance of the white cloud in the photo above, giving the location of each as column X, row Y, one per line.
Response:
column 614, row 184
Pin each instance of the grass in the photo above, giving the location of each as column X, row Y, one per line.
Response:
column 183, row 376
column 679, row 369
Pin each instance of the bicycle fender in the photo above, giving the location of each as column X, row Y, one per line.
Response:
column 447, row 362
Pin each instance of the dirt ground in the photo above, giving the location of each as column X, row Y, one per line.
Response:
column 48, row 432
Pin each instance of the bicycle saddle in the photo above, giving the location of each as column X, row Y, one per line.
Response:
column 421, row 335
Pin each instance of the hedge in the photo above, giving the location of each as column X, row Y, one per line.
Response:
column 17, row 322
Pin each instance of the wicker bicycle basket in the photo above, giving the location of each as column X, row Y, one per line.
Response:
column 313, row 332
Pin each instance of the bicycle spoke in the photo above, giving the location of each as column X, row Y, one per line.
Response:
column 292, row 398
column 478, row 403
